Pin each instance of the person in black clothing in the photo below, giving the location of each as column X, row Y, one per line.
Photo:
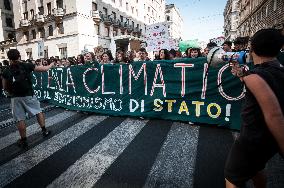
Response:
column 262, row 127
column 17, row 82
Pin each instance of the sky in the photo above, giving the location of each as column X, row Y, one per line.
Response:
column 202, row 19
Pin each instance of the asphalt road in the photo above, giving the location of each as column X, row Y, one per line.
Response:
column 93, row 150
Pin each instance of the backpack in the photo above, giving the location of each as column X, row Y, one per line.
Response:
column 19, row 84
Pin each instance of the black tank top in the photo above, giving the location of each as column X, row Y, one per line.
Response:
column 254, row 127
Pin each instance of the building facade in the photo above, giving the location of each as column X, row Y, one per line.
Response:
column 7, row 31
column 175, row 21
column 66, row 28
column 231, row 19
column 260, row 14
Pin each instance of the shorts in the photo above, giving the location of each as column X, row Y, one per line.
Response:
column 247, row 158
column 23, row 105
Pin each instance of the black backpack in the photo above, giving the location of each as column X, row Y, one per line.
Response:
column 19, row 84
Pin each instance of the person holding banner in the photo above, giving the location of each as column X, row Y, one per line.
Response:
column 106, row 58
column 164, row 55
column 143, row 55
column 262, row 129
column 120, row 57
column 194, row 53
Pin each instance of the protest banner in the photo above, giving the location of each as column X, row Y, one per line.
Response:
column 184, row 90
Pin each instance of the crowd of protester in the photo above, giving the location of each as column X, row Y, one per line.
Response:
column 121, row 57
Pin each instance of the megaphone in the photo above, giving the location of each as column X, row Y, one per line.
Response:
column 218, row 56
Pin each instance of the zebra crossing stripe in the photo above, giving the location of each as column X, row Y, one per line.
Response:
column 24, row 162
column 91, row 166
column 34, row 128
column 175, row 169
column 11, row 121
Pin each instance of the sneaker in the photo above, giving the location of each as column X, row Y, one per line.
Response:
column 46, row 133
column 22, row 143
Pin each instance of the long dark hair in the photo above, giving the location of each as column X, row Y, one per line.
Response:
column 124, row 60
column 195, row 49
column 167, row 54
column 80, row 59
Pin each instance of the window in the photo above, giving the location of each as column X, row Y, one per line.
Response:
column 114, row 15
column 121, row 18
column 59, row 3
column 41, row 32
column 113, row 1
column 32, row 13
column 132, row 10
column 11, row 35
column 137, row 1
column 9, row 22
column 26, row 35
column 50, row 30
column 40, row 10
column 274, row 5
column 63, row 52
column 45, row 52
column 34, row 34
column 105, row 10
column 137, row 12
column 114, row 33
column 48, row 8
column 107, row 31
column 120, row 3
column 29, row 55
column 7, row 4
column 94, row 6
column 25, row 5
column 133, row 24
column 148, row 9
column 127, row 6
column 60, row 28
column 168, row 18
column 98, row 29
column 26, row 15
column 266, row 10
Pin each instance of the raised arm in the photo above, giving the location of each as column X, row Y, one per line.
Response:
column 43, row 68
column 269, row 105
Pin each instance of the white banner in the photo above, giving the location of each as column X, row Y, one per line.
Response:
column 157, row 37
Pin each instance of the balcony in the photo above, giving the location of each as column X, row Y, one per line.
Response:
column 58, row 14
column 96, row 16
column 107, row 20
column 137, row 31
column 24, row 23
column 116, row 24
column 130, row 28
column 39, row 19
column 8, row 43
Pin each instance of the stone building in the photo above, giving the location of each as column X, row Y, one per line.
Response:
column 231, row 18
column 7, row 31
column 259, row 14
column 65, row 28
column 175, row 21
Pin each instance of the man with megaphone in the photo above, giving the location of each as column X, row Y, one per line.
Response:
column 262, row 127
